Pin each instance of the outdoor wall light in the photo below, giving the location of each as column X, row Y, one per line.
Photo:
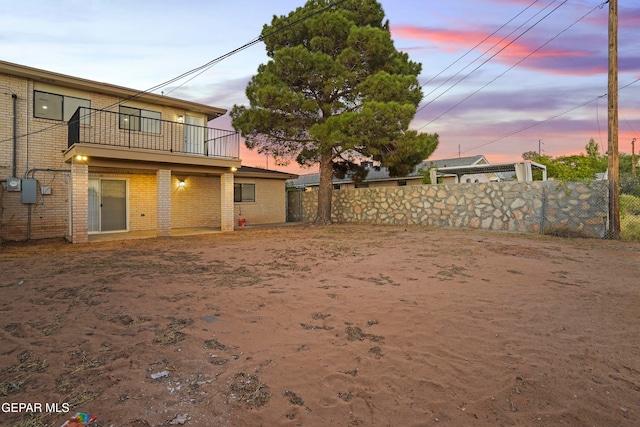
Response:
column 233, row 169
column 81, row 158
column 181, row 183
column 180, row 119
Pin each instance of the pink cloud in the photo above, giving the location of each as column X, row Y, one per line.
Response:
column 548, row 59
column 254, row 159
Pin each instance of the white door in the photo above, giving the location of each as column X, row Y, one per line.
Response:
column 107, row 205
column 194, row 135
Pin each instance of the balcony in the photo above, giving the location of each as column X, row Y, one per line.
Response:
column 92, row 127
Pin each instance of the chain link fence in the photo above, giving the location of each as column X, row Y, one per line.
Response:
column 587, row 214
column 630, row 208
column 571, row 209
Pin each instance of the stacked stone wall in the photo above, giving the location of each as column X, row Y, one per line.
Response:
column 495, row 206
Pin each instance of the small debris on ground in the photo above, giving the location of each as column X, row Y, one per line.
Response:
column 159, row 375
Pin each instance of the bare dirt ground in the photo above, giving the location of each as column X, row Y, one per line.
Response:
column 346, row 325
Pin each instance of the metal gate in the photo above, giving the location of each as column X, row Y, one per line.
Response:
column 294, row 205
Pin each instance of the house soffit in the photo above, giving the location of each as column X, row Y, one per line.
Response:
column 125, row 158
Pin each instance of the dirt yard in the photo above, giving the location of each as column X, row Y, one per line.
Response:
column 346, row 325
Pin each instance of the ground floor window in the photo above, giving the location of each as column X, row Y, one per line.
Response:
column 244, row 193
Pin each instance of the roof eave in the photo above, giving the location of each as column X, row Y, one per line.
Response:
column 106, row 88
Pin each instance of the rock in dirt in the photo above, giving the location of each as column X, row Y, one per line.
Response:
column 179, row 419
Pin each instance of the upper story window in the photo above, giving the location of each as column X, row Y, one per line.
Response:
column 140, row 120
column 58, row 107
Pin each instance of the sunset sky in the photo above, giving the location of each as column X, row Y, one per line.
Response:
column 499, row 76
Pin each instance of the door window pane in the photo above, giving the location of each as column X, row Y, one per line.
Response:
column 94, row 205
column 114, row 205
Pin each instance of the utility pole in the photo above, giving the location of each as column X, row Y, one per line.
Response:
column 539, row 148
column 612, row 167
column 633, row 157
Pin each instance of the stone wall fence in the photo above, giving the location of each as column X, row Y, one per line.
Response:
column 576, row 208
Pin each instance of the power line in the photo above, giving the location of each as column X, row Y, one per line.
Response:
column 514, row 65
column 480, row 56
column 546, row 120
column 258, row 39
column 483, row 63
column 199, row 70
column 472, row 49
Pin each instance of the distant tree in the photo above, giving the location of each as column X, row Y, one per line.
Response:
column 334, row 92
column 628, row 183
column 572, row 168
column 624, row 160
column 593, row 149
column 425, row 173
column 530, row 155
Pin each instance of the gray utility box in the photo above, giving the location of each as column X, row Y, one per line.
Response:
column 29, row 187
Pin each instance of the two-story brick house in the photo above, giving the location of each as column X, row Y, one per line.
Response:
column 79, row 157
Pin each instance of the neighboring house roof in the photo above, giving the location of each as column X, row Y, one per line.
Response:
column 454, row 162
column 253, row 172
column 63, row 80
column 498, row 168
column 382, row 174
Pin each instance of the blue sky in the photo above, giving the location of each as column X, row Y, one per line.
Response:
column 496, row 101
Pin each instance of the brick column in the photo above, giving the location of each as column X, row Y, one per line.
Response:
column 79, row 202
column 226, row 202
column 163, row 184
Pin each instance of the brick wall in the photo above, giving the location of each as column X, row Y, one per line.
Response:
column 270, row 202
column 39, row 146
column 226, row 206
column 143, row 214
column 197, row 204
column 163, row 188
column 80, row 202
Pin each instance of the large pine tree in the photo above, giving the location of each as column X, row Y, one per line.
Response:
column 336, row 89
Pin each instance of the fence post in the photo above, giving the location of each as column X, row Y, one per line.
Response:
column 544, row 210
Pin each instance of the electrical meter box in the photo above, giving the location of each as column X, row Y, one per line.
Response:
column 29, row 187
column 13, row 184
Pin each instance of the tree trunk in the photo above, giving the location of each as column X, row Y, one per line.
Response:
column 325, row 190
